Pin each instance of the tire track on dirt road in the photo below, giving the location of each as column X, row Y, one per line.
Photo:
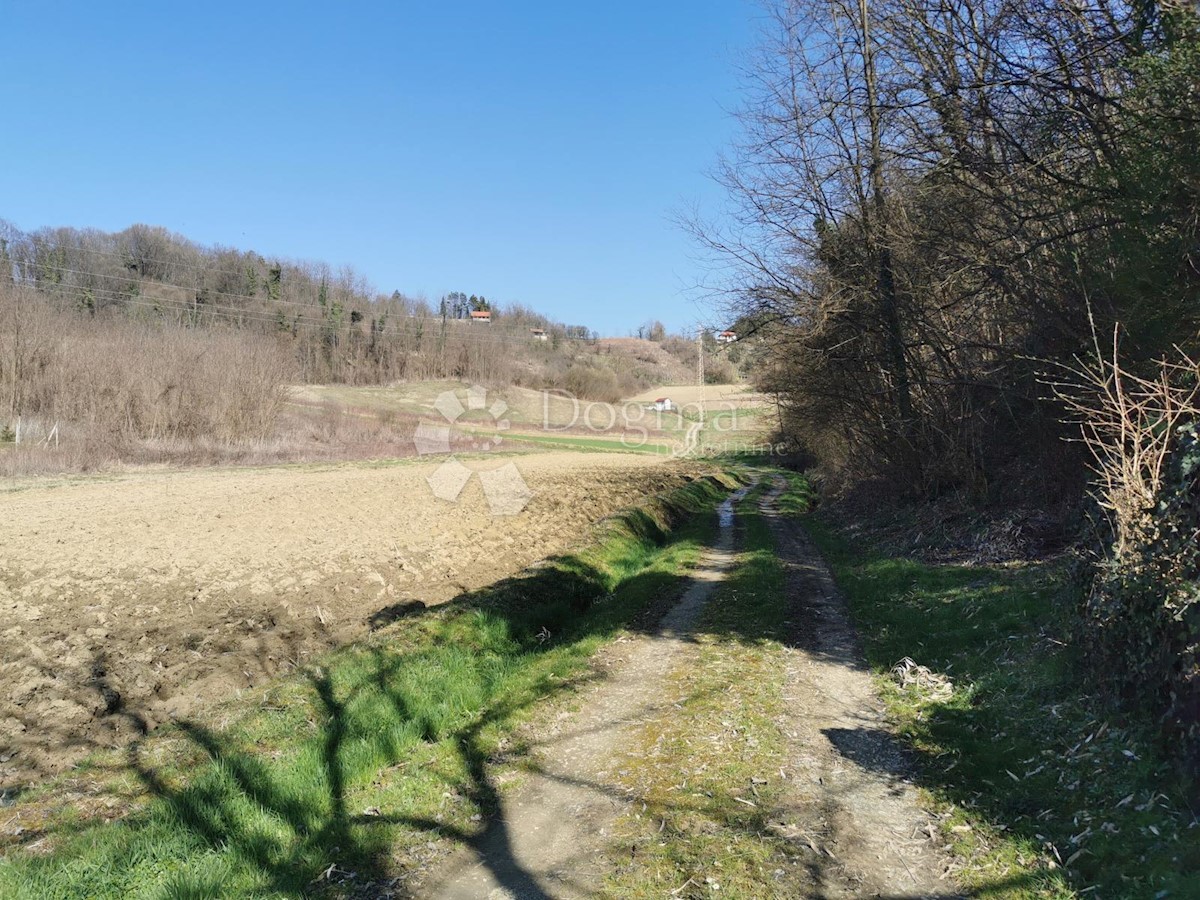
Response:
column 549, row 837
column 851, row 808
column 848, row 808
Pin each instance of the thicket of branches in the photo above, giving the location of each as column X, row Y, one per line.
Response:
column 936, row 203
column 929, row 197
column 1142, row 608
column 77, row 394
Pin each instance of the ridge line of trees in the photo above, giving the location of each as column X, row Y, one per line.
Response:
column 333, row 323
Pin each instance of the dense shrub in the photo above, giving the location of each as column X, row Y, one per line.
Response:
column 1142, row 616
column 115, row 381
column 593, row 381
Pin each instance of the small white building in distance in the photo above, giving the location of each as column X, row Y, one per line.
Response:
column 482, row 315
column 663, row 404
column 539, row 334
column 726, row 337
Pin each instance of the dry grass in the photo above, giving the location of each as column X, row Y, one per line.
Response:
column 83, row 393
column 1129, row 425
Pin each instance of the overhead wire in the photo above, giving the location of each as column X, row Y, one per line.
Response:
column 205, row 301
column 235, row 313
column 207, row 270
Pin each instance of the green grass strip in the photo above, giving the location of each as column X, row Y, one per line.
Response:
column 1043, row 790
column 706, row 773
column 362, row 767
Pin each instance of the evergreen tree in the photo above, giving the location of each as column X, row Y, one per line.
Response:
column 274, row 279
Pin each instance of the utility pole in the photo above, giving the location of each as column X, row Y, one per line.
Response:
column 700, row 367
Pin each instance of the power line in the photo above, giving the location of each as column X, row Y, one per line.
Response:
column 182, row 287
column 218, row 294
column 83, row 291
column 234, row 314
column 207, row 270
column 127, row 257
column 117, row 297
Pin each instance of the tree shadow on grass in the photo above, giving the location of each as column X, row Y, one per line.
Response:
column 283, row 820
column 991, row 732
column 289, row 828
column 813, row 617
column 311, row 842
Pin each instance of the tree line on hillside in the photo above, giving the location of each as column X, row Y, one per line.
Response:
column 122, row 343
column 337, row 328
column 956, row 218
column 322, row 325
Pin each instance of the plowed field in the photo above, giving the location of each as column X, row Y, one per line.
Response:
column 127, row 601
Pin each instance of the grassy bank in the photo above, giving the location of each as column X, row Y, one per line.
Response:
column 607, row 445
column 354, row 771
column 1040, row 786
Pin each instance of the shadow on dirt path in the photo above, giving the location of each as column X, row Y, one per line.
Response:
column 851, row 802
column 549, row 836
column 850, row 809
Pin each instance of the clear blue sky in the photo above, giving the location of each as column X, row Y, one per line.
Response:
column 529, row 151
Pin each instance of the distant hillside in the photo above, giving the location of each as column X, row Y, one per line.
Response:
column 143, row 338
column 672, row 360
column 328, row 326
column 650, row 361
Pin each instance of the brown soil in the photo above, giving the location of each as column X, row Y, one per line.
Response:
column 128, row 601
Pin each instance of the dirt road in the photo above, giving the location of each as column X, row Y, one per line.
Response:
column 126, row 601
column 850, row 783
column 551, row 838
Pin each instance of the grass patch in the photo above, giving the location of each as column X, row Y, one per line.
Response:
column 610, row 445
column 707, row 775
column 1038, row 784
column 367, row 765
